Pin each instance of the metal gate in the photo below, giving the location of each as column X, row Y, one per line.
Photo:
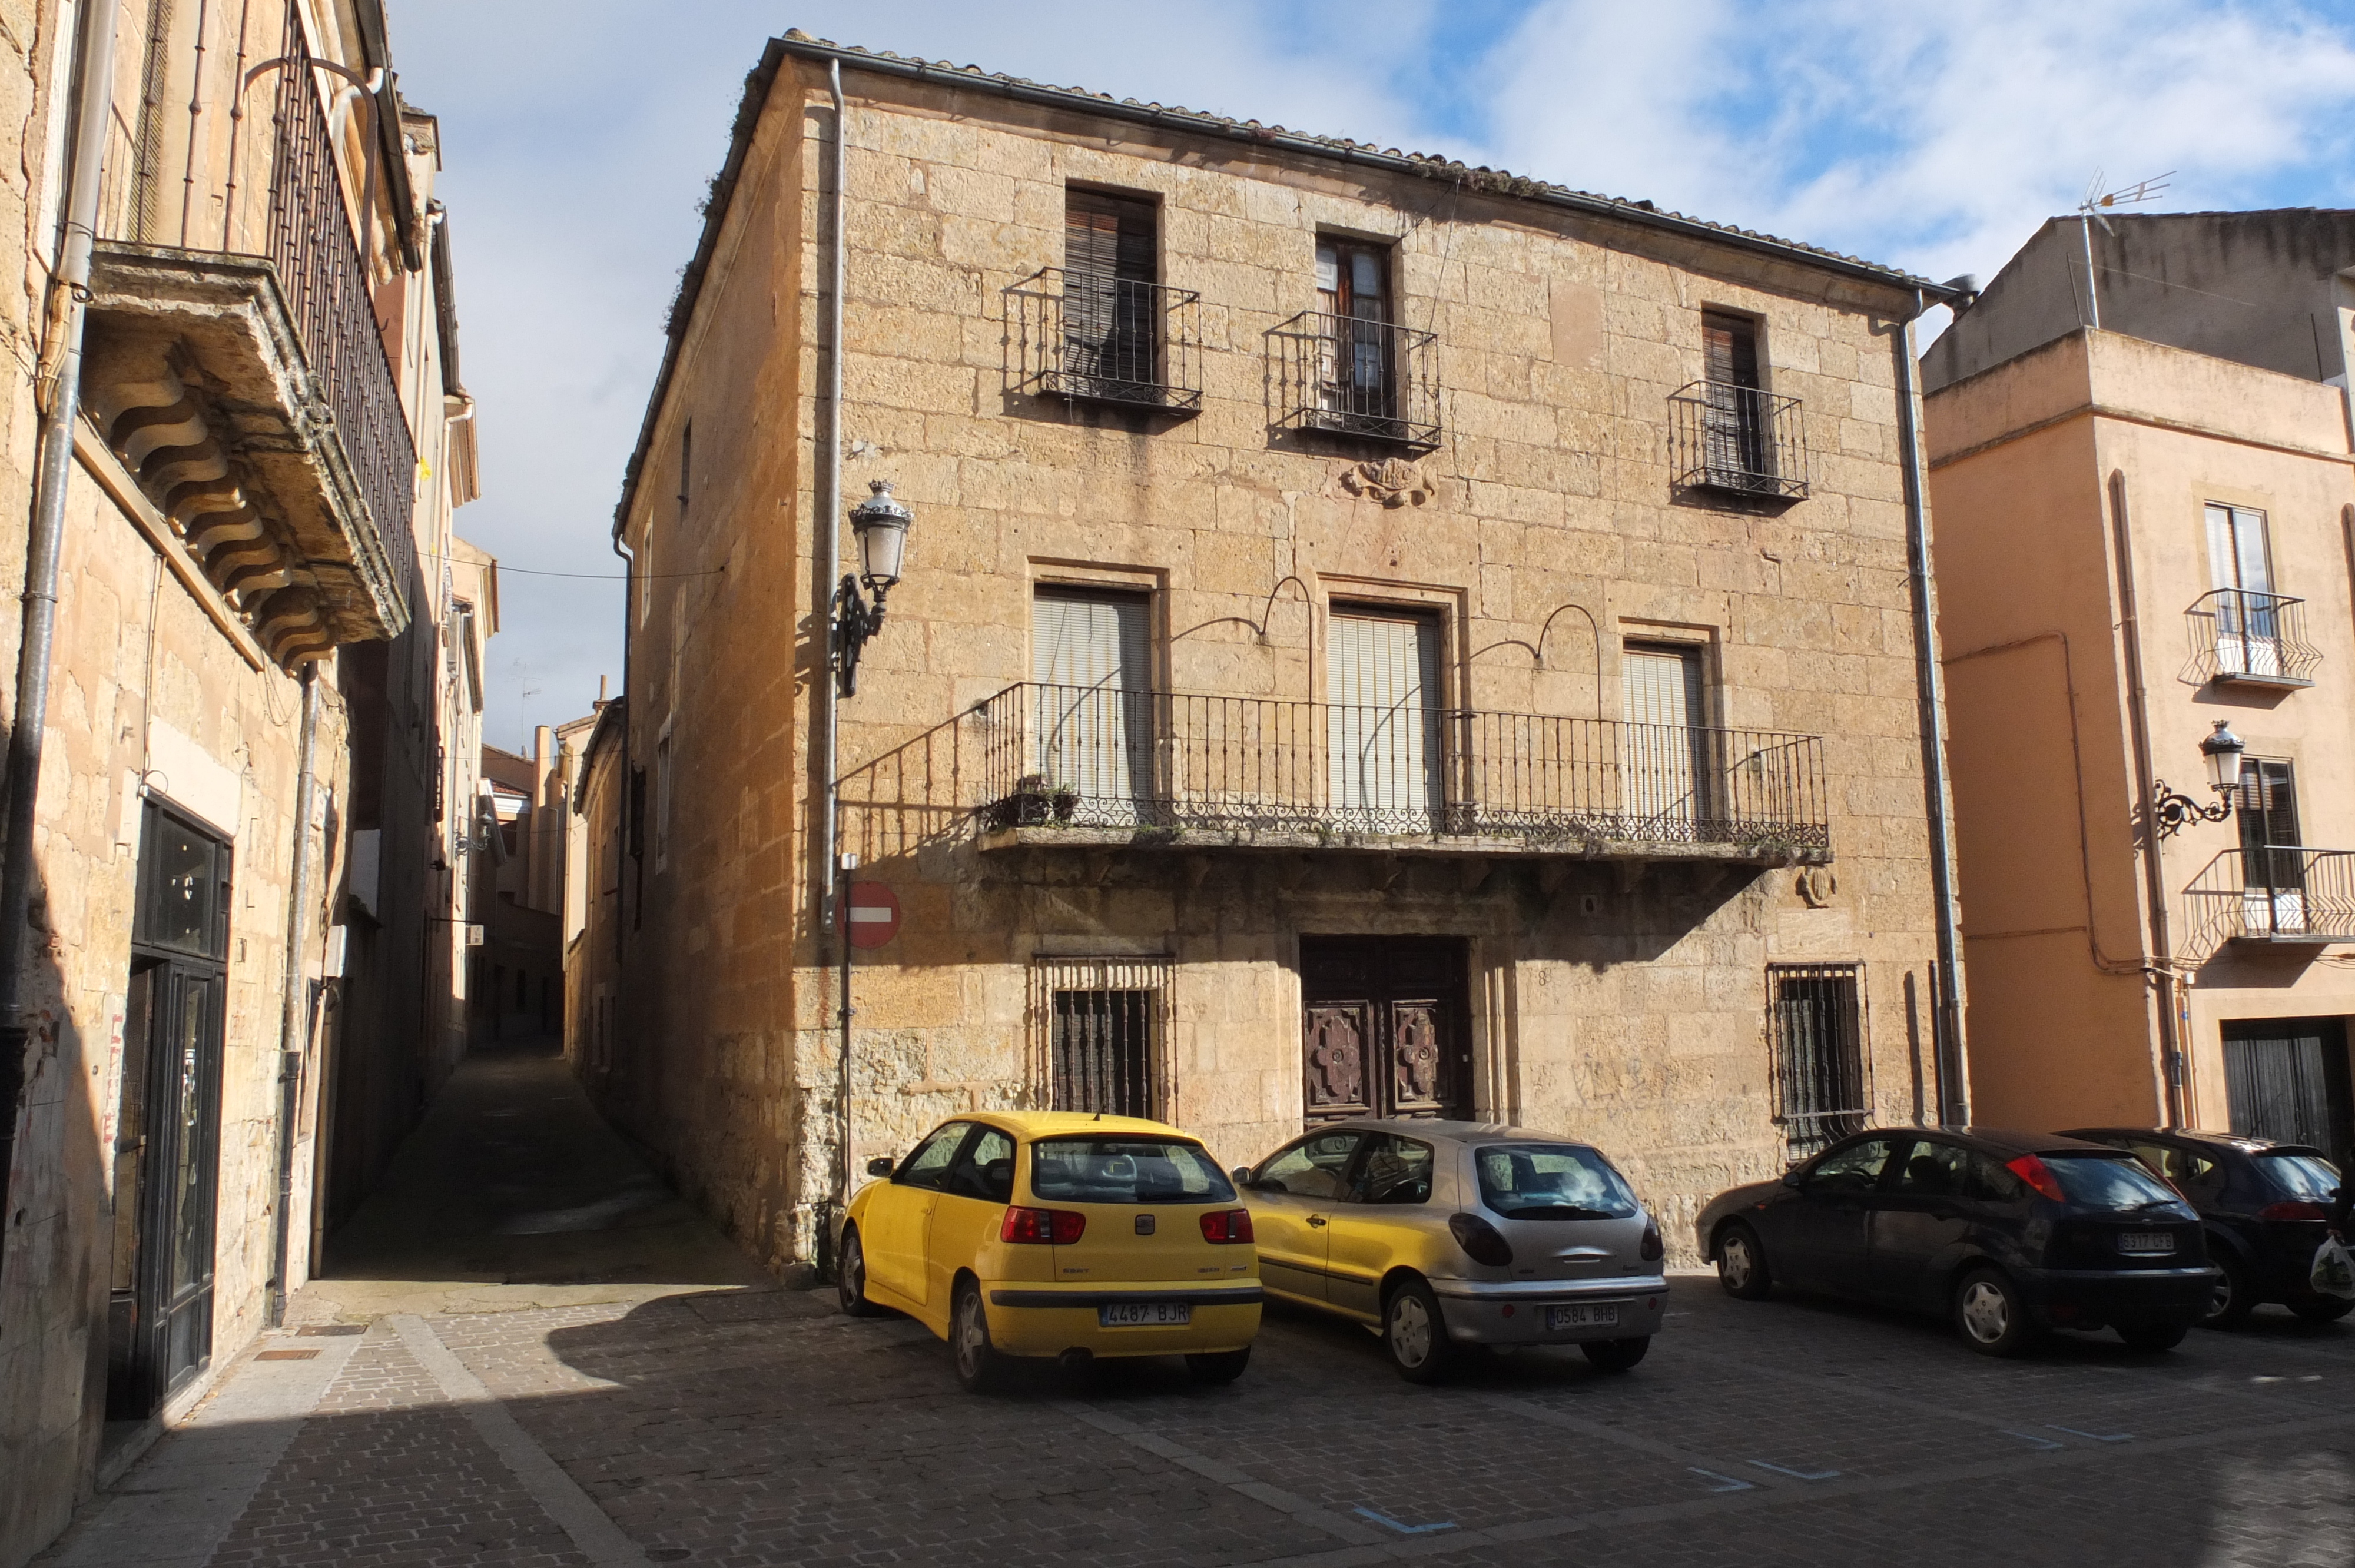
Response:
column 2287, row 1079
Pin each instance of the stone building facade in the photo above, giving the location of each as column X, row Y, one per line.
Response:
column 1375, row 634
column 258, row 502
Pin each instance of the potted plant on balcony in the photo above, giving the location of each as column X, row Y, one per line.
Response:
column 1065, row 801
column 1027, row 807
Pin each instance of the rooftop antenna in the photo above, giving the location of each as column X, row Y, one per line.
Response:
column 2089, row 213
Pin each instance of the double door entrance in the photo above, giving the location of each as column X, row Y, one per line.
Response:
column 1385, row 1027
column 167, row 1133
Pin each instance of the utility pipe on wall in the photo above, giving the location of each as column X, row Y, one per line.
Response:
column 294, row 1022
column 53, row 469
column 1953, row 1093
column 829, row 556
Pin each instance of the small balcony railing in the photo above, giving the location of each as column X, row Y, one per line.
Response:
column 1095, row 338
column 2250, row 638
column 2276, row 892
column 1344, row 376
column 1304, row 773
column 1740, row 441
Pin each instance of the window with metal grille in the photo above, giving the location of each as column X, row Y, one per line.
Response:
column 1816, row 1015
column 1103, row 1052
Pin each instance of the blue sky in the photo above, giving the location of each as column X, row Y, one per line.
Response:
column 576, row 136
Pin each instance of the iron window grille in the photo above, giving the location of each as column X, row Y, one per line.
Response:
column 1823, row 1089
column 2256, row 639
column 1095, row 337
column 1739, row 440
column 1099, row 1028
column 1348, row 375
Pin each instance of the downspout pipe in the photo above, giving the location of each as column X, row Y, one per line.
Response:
column 629, row 622
column 293, row 1025
column 2162, row 939
column 829, row 556
column 1954, row 1091
column 53, row 472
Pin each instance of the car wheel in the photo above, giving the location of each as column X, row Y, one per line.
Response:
column 2322, row 1308
column 850, row 1278
column 1218, row 1366
column 1415, row 1333
column 2149, row 1338
column 1742, row 1264
column 1616, row 1355
column 2231, row 1301
column 978, row 1364
column 1990, row 1315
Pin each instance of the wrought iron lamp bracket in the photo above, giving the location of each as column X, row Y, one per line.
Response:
column 2171, row 810
column 855, row 620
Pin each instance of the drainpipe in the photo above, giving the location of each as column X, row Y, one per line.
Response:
column 2161, row 968
column 53, row 471
column 629, row 620
column 294, row 1031
column 1954, row 1091
column 829, row 556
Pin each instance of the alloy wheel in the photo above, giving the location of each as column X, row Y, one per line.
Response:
column 1734, row 1262
column 1410, row 1329
column 972, row 1336
column 1987, row 1313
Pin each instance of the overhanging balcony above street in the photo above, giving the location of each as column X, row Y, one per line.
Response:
column 2274, row 895
column 1357, row 378
column 1093, row 337
column 2243, row 638
column 1089, row 768
column 1737, row 440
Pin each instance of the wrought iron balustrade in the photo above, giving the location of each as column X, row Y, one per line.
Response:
column 1346, row 376
column 1097, row 338
column 1088, row 757
column 2256, row 638
column 1740, row 439
column 2273, row 893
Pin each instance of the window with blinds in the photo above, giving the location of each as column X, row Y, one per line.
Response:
column 2273, row 866
column 1386, row 751
column 1664, row 776
column 1108, row 266
column 1733, row 424
column 1092, row 660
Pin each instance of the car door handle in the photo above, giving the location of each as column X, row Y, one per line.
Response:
column 1317, row 1219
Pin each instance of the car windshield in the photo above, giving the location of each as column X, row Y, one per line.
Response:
column 1116, row 1169
column 2306, row 1176
column 2108, row 1181
column 1552, row 1181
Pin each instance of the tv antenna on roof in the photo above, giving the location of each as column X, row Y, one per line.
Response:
column 2090, row 212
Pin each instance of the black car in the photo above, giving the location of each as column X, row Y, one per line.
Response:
column 2008, row 1233
column 2266, row 1206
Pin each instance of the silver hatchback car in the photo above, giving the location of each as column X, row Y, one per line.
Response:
column 1440, row 1234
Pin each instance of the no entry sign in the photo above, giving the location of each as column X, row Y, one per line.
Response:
column 872, row 912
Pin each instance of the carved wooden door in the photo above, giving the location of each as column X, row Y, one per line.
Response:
column 1385, row 1027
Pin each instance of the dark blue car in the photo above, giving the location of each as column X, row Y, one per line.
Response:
column 2008, row 1234
column 2265, row 1207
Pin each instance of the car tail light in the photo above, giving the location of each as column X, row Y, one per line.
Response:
column 1652, row 1249
column 1226, row 1227
column 1042, row 1227
column 2039, row 1175
column 2293, row 1211
column 1480, row 1241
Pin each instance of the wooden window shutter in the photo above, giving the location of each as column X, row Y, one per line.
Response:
column 1108, row 235
column 1730, row 346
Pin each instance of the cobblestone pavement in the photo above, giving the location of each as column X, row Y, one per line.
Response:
column 756, row 1427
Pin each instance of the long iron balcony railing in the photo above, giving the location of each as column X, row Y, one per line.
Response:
column 1096, row 338
column 1346, row 375
column 1271, row 769
column 2254, row 638
column 1738, row 439
column 2273, row 893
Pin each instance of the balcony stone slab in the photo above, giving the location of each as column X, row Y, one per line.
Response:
column 1196, row 840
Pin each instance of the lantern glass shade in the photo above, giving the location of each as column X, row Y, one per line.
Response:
column 879, row 524
column 2221, row 752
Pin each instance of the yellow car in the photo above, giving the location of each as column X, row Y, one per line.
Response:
column 1056, row 1233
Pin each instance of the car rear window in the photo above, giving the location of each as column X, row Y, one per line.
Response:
column 1116, row 1169
column 2306, row 1176
column 2108, row 1181
column 1552, row 1181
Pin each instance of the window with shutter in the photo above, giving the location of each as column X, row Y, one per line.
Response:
column 1385, row 741
column 1663, row 706
column 1110, row 344
column 1092, row 657
column 1736, row 447
column 2248, row 616
column 1354, row 361
column 2273, row 869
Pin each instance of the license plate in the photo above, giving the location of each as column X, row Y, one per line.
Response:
column 2146, row 1241
column 1605, row 1316
column 1144, row 1314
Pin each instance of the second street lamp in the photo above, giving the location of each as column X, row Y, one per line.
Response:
column 879, row 524
column 2171, row 809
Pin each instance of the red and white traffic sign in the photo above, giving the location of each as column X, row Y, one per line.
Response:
column 873, row 913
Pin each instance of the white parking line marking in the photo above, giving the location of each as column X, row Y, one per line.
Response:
column 1794, row 1475
column 1732, row 1484
column 1403, row 1528
column 2097, row 1436
column 2025, row 1437
column 1228, row 1475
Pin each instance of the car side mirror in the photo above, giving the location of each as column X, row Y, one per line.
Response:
column 1791, row 1178
column 882, row 1165
column 1242, row 1176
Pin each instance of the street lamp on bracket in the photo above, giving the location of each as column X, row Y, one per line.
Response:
column 880, row 524
column 2171, row 810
